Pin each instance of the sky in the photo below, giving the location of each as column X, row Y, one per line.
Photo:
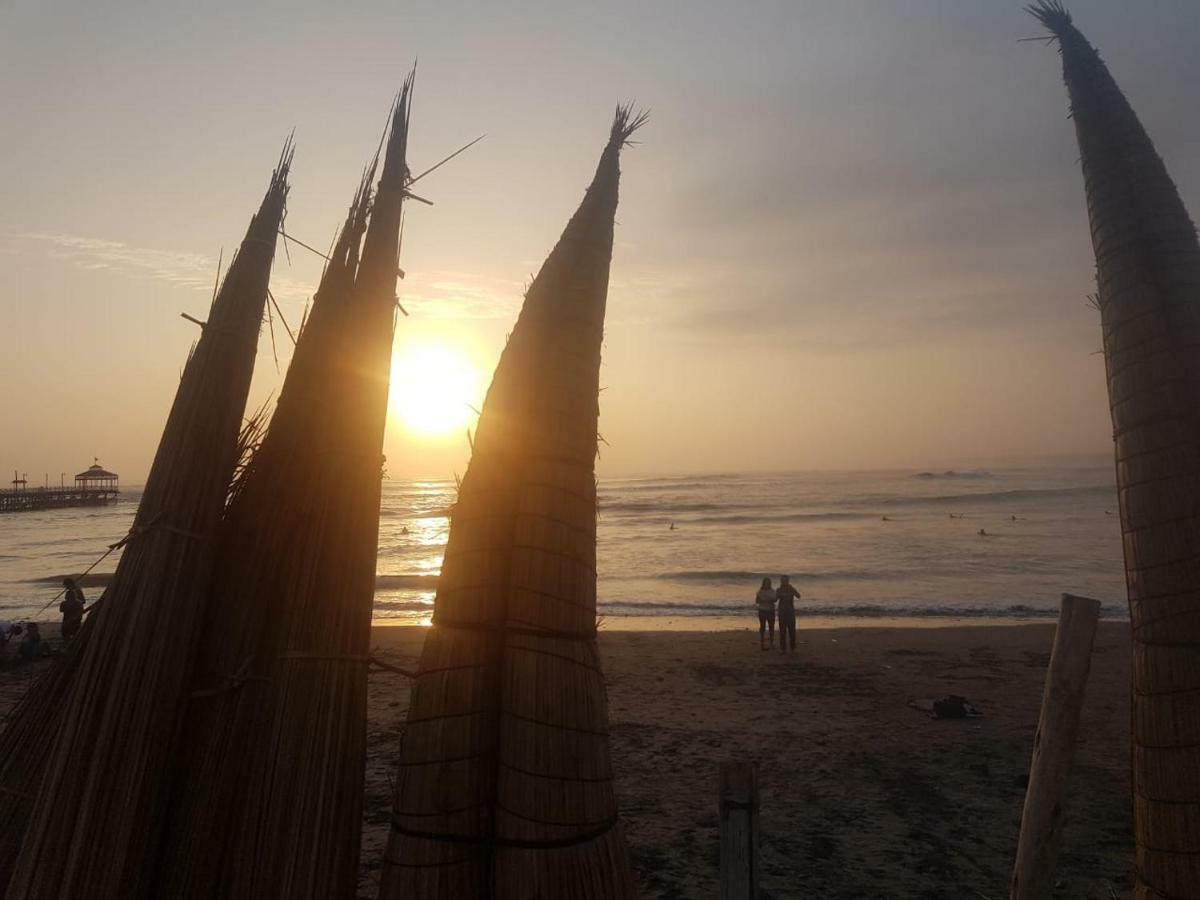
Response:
column 853, row 234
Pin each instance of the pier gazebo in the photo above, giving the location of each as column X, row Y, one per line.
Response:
column 96, row 478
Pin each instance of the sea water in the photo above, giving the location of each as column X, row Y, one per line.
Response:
column 865, row 545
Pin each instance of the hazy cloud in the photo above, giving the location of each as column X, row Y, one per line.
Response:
column 460, row 295
column 194, row 270
column 453, row 295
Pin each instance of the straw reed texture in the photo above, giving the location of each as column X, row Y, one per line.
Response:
column 504, row 784
column 30, row 726
column 99, row 812
column 1148, row 270
column 269, row 800
column 24, row 743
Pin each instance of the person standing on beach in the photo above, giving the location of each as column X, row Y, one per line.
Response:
column 71, row 609
column 787, row 597
column 764, row 600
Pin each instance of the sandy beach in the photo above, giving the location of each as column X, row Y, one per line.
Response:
column 862, row 796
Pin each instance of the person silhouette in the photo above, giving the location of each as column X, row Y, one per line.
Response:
column 764, row 600
column 786, row 596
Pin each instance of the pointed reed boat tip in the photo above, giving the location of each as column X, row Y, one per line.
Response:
column 400, row 107
column 286, row 154
column 1052, row 14
column 625, row 122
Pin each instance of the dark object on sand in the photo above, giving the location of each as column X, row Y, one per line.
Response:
column 504, row 784
column 1148, row 276
column 31, row 646
column 952, row 706
column 274, row 748
column 101, row 796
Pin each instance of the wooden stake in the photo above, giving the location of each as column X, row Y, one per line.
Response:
column 1054, row 749
column 739, row 830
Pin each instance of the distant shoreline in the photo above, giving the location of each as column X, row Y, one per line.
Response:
column 701, row 623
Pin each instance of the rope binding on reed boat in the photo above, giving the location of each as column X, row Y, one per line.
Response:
column 231, row 682
column 509, row 628
column 361, row 660
column 242, row 676
column 388, row 667
column 155, row 521
column 574, row 840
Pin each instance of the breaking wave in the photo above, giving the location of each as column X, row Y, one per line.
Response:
column 865, row 611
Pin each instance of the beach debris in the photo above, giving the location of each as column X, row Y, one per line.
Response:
column 114, row 701
column 952, row 706
column 504, row 782
column 273, row 752
column 1148, row 277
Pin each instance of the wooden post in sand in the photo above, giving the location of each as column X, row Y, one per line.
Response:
column 1054, row 749
column 739, row 831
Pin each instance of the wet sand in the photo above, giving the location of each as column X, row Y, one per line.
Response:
column 862, row 796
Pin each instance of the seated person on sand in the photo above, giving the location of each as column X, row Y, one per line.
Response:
column 764, row 600
column 8, row 630
column 30, row 647
column 71, row 609
column 787, row 596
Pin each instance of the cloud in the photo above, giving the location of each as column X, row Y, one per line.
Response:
column 460, row 295
column 849, row 224
column 436, row 294
column 191, row 270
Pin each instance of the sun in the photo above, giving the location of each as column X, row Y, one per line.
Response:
column 433, row 390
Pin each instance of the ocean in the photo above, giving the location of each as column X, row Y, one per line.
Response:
column 867, row 545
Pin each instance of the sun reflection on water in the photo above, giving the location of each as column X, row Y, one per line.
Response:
column 413, row 528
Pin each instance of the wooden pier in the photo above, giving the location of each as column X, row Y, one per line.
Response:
column 93, row 487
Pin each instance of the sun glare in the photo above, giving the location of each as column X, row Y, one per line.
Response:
column 433, row 390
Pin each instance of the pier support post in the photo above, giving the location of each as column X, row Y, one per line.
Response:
column 1054, row 749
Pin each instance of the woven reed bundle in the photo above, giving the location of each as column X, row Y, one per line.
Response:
column 1148, row 273
column 269, row 801
column 504, row 785
column 31, row 725
column 98, row 816
column 25, row 742
column 216, row 770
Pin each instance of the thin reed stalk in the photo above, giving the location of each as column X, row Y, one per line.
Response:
column 99, row 811
column 269, row 800
column 504, row 783
column 1148, row 272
